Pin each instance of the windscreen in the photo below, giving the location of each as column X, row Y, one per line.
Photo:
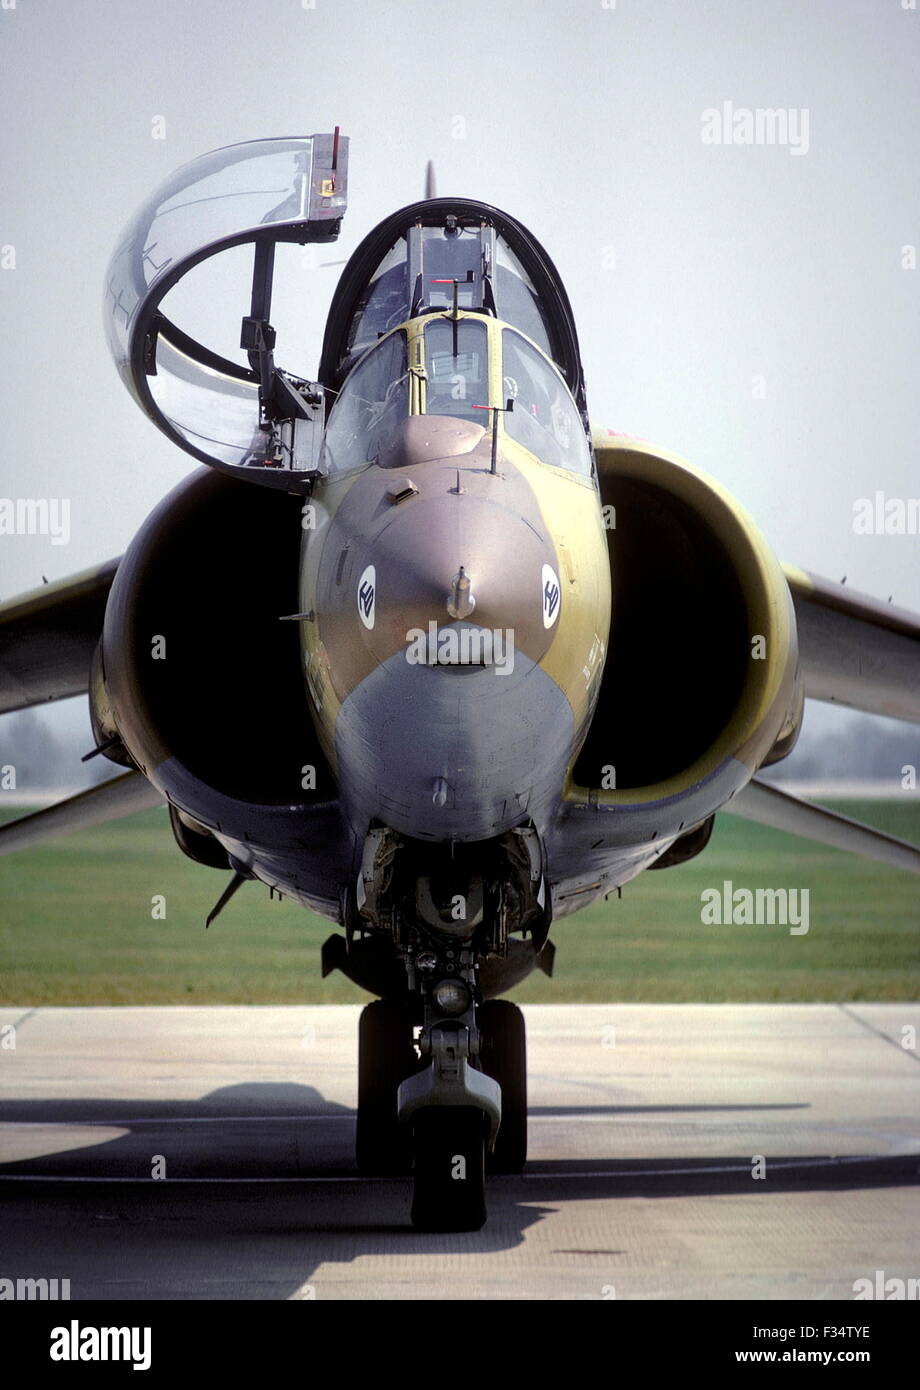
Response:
column 456, row 366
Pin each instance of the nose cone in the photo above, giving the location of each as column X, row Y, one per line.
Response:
column 434, row 544
column 438, row 596
column 449, row 558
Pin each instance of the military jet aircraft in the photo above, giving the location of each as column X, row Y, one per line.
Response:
column 418, row 647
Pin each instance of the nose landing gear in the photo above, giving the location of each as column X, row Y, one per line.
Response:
column 447, row 1122
column 449, row 1174
column 442, row 1070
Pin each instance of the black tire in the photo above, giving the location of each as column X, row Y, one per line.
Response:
column 449, row 1162
column 386, row 1058
column 503, row 1056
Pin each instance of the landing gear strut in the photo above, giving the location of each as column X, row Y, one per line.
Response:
column 442, row 1071
column 447, row 1122
column 455, row 1145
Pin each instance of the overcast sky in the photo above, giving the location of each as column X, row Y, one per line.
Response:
column 747, row 306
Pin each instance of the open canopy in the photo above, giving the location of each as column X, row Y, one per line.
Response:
column 257, row 419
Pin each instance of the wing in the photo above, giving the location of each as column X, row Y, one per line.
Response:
column 48, row 636
column 858, row 652
column 121, row 796
column 47, row 640
column 855, row 650
column 769, row 806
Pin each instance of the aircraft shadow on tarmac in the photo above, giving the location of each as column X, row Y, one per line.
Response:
column 269, row 1169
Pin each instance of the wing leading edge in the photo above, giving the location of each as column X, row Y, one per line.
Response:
column 120, row 796
column 854, row 650
column 777, row 809
column 861, row 653
column 48, row 636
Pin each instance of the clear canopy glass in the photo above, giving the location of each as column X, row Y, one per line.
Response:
column 544, row 419
column 372, row 403
column 384, row 303
column 261, row 190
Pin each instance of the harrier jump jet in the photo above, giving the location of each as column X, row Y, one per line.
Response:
column 417, row 647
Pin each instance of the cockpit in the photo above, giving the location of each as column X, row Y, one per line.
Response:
column 461, row 364
column 449, row 321
column 449, row 307
column 433, row 268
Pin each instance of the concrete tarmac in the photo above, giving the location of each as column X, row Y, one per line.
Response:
column 676, row 1151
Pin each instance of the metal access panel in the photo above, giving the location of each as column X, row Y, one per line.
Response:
column 258, row 422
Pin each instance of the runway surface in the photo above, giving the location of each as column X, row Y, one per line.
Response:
column 646, row 1126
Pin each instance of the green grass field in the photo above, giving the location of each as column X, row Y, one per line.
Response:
column 77, row 927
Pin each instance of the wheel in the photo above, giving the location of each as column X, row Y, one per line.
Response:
column 449, row 1143
column 503, row 1056
column 386, row 1058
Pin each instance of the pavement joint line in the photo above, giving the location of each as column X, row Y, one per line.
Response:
column 333, row 1178
column 118, row 1123
column 23, row 1018
column 602, row 1116
column 911, row 1056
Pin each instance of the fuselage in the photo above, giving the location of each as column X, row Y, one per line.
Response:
column 459, row 585
column 456, row 564
column 475, row 653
